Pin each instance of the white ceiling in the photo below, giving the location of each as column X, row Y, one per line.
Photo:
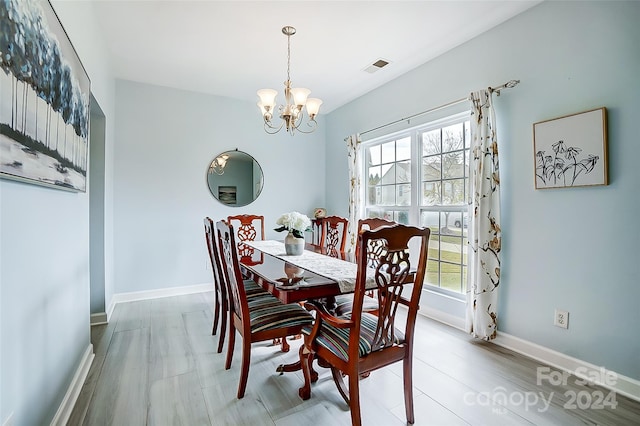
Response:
column 233, row 48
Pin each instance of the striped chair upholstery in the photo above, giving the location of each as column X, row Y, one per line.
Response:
column 274, row 316
column 356, row 344
column 256, row 319
column 344, row 304
column 336, row 340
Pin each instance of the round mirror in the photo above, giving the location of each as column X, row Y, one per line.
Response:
column 235, row 178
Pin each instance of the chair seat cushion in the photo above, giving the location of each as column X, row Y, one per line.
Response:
column 336, row 340
column 344, row 304
column 269, row 316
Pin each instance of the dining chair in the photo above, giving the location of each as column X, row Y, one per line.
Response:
column 221, row 304
column 256, row 320
column 333, row 236
column 363, row 342
column 344, row 302
column 248, row 227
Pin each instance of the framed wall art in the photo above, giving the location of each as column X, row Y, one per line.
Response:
column 44, row 102
column 571, row 150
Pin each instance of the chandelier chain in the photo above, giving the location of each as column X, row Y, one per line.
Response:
column 288, row 57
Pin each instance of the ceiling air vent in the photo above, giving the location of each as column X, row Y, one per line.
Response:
column 376, row 66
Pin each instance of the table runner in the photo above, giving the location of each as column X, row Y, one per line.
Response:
column 341, row 271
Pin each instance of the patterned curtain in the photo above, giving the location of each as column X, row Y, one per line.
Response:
column 355, row 165
column 483, row 277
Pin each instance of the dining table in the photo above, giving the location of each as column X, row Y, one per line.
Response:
column 311, row 276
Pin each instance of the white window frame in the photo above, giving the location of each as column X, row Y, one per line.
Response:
column 414, row 210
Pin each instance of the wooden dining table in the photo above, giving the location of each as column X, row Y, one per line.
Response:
column 286, row 281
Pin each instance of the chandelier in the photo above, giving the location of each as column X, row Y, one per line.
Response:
column 296, row 99
column 218, row 164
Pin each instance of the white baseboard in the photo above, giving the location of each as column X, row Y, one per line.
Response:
column 443, row 317
column 70, row 398
column 155, row 294
column 620, row 384
column 99, row 319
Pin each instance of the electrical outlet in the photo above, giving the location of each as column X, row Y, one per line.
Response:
column 561, row 319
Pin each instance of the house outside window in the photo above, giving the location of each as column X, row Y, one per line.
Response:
column 420, row 177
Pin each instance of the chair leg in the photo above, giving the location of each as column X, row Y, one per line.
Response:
column 338, row 379
column 285, row 345
column 223, row 325
column 354, row 398
column 408, row 387
column 306, row 359
column 216, row 315
column 244, row 370
column 232, row 343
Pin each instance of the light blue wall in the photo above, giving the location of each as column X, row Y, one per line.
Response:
column 166, row 139
column 44, row 266
column 574, row 249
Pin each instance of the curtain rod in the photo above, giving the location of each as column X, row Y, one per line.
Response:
column 508, row 85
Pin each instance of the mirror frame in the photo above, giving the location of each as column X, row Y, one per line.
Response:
column 226, row 192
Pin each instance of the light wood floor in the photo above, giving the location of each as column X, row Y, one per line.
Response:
column 156, row 364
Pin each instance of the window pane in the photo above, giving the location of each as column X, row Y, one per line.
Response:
column 388, row 174
column 375, row 173
column 451, row 276
column 403, row 149
column 433, row 272
column 431, row 142
column 450, row 248
column 373, row 155
column 388, row 196
column 403, row 172
column 388, row 152
column 452, row 137
column 372, row 195
column 430, row 220
column 453, row 165
column 453, row 192
column 455, row 220
column 431, row 167
column 401, row 217
column 431, row 193
column 403, row 195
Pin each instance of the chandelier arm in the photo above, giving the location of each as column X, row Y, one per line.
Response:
column 313, row 126
column 271, row 129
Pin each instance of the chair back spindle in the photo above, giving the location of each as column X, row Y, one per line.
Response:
column 231, row 270
column 333, row 237
column 247, row 227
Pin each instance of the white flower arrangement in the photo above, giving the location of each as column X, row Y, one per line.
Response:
column 294, row 222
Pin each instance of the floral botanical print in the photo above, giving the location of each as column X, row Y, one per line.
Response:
column 485, row 237
column 564, row 166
